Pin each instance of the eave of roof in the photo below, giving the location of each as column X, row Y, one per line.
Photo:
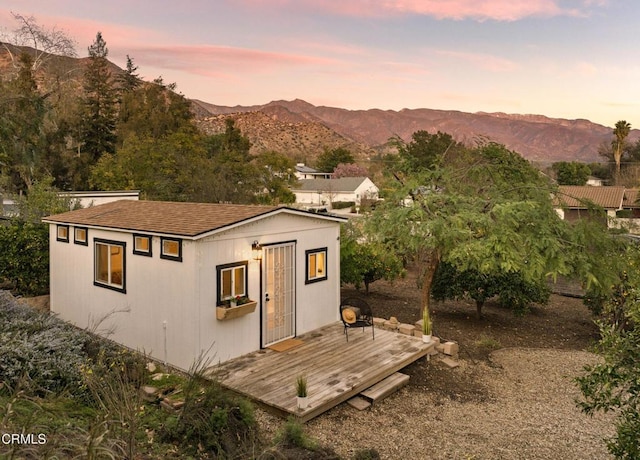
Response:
column 188, row 220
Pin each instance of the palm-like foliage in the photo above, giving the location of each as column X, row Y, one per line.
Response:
column 620, row 132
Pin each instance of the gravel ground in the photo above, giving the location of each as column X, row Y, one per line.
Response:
column 526, row 410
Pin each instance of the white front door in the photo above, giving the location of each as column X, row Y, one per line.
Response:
column 278, row 302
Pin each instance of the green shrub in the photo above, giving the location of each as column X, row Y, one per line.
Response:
column 24, row 257
column 214, row 421
column 342, row 204
column 40, row 347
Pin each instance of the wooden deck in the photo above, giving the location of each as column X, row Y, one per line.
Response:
column 335, row 370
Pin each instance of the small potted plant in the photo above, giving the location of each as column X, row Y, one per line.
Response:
column 301, row 392
column 426, row 325
column 238, row 300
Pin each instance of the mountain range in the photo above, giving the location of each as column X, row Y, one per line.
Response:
column 303, row 130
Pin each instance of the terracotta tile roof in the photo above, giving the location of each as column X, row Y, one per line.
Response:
column 183, row 219
column 631, row 198
column 575, row 196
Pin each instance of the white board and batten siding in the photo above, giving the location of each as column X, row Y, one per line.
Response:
column 154, row 310
column 169, row 308
column 315, row 303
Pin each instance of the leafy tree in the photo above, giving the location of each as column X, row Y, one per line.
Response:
column 620, row 132
column 331, row 158
column 277, row 176
column 154, row 110
column 166, row 168
column 614, row 384
column 425, row 150
column 349, row 170
column 229, row 145
column 489, row 211
column 233, row 178
column 98, row 124
column 571, row 172
column 21, row 130
column 511, row 289
column 363, row 262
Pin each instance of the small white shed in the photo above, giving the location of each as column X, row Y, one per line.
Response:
column 160, row 276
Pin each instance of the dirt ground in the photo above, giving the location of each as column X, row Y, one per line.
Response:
column 563, row 324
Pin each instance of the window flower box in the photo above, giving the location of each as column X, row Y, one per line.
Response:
column 224, row 313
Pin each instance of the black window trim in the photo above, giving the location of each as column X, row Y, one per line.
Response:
column 177, row 258
column 62, row 240
column 219, row 268
column 122, row 289
column 139, row 252
column 307, row 253
column 86, row 236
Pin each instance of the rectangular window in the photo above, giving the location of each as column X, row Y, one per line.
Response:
column 232, row 281
column 110, row 264
column 80, row 236
column 62, row 233
column 316, row 265
column 142, row 245
column 171, row 249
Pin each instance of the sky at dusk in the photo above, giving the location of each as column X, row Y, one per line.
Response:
column 560, row 58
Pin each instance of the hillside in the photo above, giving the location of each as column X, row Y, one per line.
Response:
column 536, row 137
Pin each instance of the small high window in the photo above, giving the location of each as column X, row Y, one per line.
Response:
column 62, row 233
column 232, row 281
column 110, row 264
column 142, row 245
column 171, row 249
column 316, row 265
column 80, row 236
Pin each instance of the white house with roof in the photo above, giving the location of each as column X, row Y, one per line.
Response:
column 306, row 172
column 160, row 276
column 323, row 192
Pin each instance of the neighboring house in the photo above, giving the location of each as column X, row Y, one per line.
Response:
column 305, row 172
column 88, row 199
column 323, row 192
column 575, row 200
column 595, row 181
column 154, row 273
column 8, row 208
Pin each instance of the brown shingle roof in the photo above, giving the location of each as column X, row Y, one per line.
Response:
column 575, row 196
column 184, row 219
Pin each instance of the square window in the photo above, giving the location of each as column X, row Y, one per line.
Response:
column 142, row 245
column 80, row 236
column 171, row 249
column 62, row 233
column 110, row 264
column 316, row 265
column 232, row 281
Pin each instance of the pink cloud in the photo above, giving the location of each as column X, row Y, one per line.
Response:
column 501, row 10
column 212, row 60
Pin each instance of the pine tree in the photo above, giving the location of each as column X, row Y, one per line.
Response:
column 97, row 130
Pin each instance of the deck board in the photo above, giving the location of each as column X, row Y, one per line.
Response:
column 335, row 370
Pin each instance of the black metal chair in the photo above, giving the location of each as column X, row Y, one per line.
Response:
column 355, row 312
